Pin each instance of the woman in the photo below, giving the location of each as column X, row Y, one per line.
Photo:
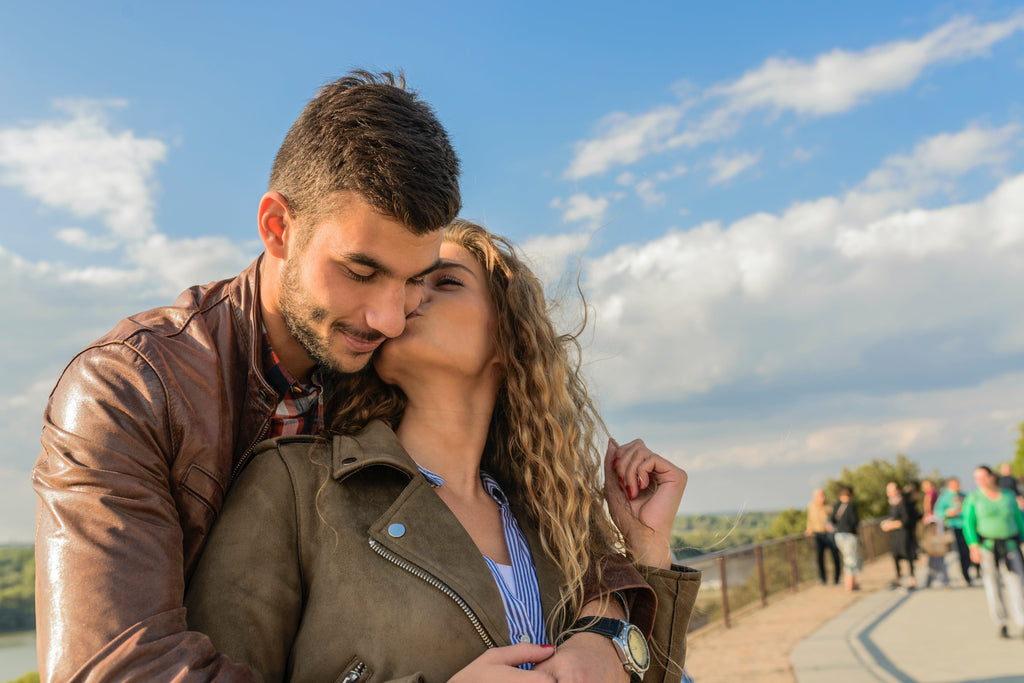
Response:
column 846, row 520
column 901, row 525
column 993, row 529
column 450, row 514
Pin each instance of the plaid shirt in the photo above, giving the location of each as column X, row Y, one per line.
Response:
column 300, row 409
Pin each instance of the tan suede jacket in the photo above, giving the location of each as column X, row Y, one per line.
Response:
column 142, row 437
column 338, row 561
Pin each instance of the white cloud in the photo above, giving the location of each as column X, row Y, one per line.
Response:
column 828, row 84
column 840, row 80
column 553, row 257
column 646, row 189
column 79, row 238
column 801, row 154
column 790, row 452
column 79, row 164
column 825, row 287
column 728, row 167
column 581, row 207
column 624, row 139
column 172, row 265
column 938, row 159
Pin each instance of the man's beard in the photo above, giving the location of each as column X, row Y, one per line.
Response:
column 299, row 314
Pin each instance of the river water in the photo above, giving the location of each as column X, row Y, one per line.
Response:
column 17, row 654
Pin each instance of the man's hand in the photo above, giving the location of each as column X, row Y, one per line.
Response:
column 585, row 658
column 975, row 554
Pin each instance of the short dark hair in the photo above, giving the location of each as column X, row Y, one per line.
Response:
column 846, row 489
column 367, row 134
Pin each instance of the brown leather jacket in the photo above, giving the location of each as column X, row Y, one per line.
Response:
column 142, row 437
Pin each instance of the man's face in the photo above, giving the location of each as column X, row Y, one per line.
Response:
column 953, row 485
column 351, row 285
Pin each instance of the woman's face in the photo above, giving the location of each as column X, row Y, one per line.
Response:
column 452, row 329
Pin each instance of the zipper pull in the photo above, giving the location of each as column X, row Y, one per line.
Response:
column 355, row 674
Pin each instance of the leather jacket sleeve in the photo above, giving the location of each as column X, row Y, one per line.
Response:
column 110, row 583
column 676, row 589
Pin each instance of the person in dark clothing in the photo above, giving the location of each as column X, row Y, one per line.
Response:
column 845, row 521
column 901, row 524
column 1009, row 482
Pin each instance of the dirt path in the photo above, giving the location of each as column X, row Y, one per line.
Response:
column 758, row 646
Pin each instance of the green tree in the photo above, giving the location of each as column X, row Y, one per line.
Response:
column 786, row 523
column 869, row 480
column 17, row 589
column 27, row 678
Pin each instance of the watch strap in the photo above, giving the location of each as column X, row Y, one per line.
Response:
column 600, row 625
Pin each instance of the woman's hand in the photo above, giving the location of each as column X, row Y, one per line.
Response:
column 499, row 665
column 643, row 491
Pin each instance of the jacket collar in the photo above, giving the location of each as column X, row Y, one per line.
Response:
column 375, row 445
column 426, row 521
column 244, row 294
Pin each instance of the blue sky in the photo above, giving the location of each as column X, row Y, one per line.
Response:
column 800, row 226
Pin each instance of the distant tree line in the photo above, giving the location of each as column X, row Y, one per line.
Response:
column 17, row 589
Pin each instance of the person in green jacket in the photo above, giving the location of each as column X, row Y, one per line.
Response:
column 949, row 508
column 993, row 529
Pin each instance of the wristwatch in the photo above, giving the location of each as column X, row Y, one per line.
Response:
column 628, row 640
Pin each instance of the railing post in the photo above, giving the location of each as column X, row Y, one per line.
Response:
column 794, row 577
column 725, row 590
column 761, row 583
column 869, row 542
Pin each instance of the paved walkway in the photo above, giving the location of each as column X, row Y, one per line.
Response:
column 824, row 633
column 923, row 636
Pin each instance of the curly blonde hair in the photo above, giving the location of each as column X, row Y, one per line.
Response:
column 541, row 441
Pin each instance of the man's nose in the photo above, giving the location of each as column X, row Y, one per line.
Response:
column 387, row 314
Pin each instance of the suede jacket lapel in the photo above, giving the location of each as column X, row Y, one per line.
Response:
column 419, row 529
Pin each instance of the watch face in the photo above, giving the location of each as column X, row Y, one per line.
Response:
column 638, row 647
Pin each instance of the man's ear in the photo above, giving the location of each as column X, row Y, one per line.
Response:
column 275, row 222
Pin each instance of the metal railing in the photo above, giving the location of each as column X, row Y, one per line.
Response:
column 746, row 577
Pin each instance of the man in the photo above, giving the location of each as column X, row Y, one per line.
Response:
column 993, row 528
column 1009, row 482
column 949, row 508
column 147, row 428
column 819, row 525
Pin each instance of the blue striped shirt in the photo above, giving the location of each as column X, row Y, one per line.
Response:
column 521, row 599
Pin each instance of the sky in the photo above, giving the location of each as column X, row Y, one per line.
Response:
column 798, row 226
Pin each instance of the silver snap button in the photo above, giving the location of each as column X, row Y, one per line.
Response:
column 396, row 530
column 524, row 638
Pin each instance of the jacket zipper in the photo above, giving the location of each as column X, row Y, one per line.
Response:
column 355, row 674
column 439, row 585
column 248, row 452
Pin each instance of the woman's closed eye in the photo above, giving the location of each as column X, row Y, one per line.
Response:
column 447, row 280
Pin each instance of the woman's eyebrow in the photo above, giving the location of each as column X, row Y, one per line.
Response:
column 445, row 264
